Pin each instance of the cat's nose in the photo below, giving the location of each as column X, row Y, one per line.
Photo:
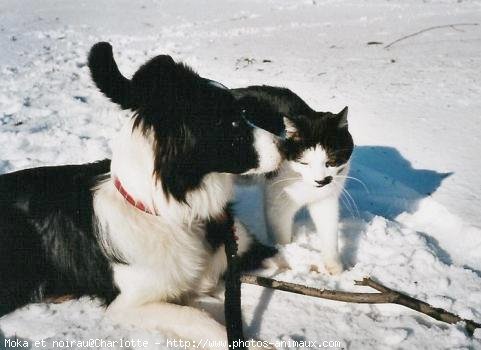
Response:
column 324, row 182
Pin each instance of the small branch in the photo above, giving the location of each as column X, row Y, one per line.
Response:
column 453, row 26
column 385, row 296
column 366, row 281
column 420, row 306
column 348, row 297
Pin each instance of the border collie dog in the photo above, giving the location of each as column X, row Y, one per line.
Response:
column 143, row 232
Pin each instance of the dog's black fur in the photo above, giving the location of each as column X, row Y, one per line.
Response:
column 47, row 243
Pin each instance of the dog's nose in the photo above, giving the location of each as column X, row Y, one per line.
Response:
column 325, row 181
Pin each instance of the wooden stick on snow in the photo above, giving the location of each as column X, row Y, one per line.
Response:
column 386, row 296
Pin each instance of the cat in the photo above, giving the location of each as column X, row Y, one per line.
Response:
column 317, row 147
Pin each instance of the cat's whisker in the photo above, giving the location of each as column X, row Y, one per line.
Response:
column 355, row 179
column 353, row 201
column 347, row 205
column 288, row 179
column 281, row 193
column 348, row 199
column 345, row 200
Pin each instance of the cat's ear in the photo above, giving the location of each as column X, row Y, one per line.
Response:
column 342, row 118
column 290, row 127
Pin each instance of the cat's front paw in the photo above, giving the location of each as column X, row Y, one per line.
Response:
column 334, row 266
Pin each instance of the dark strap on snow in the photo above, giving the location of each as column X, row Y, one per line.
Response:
column 232, row 303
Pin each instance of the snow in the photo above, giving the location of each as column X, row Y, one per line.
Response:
column 414, row 114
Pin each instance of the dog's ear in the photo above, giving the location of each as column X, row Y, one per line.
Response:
column 107, row 77
column 175, row 166
column 155, row 79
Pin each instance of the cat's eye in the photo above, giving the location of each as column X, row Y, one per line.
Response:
column 330, row 163
column 235, row 124
column 303, row 163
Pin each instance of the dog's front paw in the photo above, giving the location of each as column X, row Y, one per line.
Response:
column 277, row 262
column 334, row 266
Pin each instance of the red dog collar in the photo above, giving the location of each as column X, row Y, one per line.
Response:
column 138, row 204
column 141, row 206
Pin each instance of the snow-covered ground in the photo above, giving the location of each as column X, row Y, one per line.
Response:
column 414, row 113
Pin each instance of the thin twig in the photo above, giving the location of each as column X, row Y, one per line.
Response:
column 386, row 296
column 453, row 26
column 418, row 305
column 348, row 297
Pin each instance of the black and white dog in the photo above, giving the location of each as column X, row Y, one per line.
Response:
column 144, row 231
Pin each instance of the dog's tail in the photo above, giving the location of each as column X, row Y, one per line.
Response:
column 107, row 77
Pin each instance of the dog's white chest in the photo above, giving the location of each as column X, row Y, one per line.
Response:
column 164, row 260
column 164, row 267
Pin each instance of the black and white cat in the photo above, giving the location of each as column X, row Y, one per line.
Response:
column 318, row 146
